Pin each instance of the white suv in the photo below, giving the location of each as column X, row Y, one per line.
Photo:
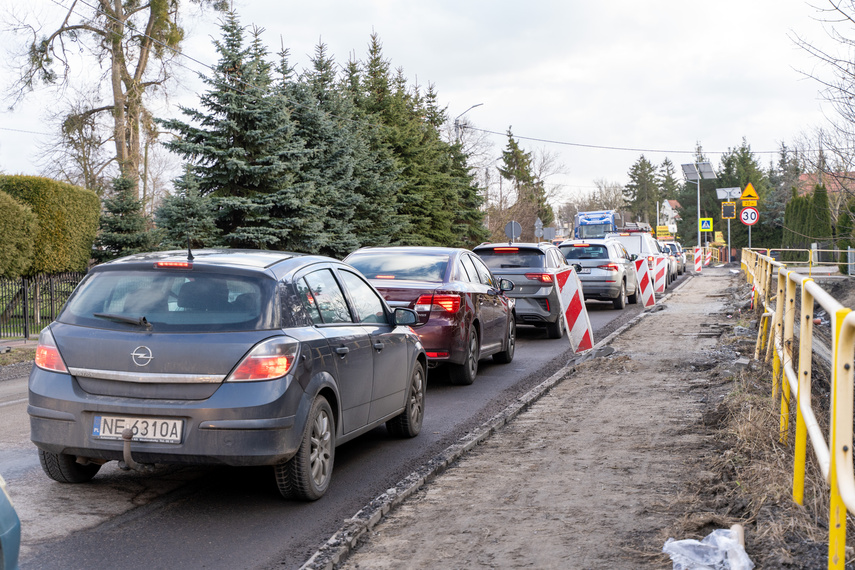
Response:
column 643, row 245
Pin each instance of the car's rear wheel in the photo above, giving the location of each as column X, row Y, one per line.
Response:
column 633, row 299
column 507, row 355
column 307, row 475
column 409, row 422
column 65, row 468
column 619, row 302
column 464, row 374
column 556, row 329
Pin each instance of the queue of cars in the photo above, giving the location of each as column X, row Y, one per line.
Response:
column 248, row 357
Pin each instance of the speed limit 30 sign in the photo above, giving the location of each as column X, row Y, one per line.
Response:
column 749, row 216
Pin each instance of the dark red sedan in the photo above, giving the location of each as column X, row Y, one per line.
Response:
column 464, row 311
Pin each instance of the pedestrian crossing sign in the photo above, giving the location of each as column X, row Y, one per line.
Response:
column 705, row 224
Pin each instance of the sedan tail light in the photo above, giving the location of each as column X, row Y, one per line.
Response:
column 47, row 355
column 438, row 302
column 542, row 277
column 269, row 360
column 609, row 267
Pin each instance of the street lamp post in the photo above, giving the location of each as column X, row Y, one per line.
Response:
column 457, row 123
column 695, row 172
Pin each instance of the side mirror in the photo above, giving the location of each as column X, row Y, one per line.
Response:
column 633, row 256
column 406, row 317
column 506, row 285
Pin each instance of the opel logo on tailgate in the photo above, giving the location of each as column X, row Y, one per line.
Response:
column 141, row 355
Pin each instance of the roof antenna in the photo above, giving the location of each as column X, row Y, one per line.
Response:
column 189, row 253
column 184, row 202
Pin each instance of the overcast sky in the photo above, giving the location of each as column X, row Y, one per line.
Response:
column 652, row 76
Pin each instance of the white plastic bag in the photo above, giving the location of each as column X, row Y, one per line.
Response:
column 719, row 550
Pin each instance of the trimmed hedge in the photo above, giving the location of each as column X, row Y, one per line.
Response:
column 18, row 226
column 67, row 221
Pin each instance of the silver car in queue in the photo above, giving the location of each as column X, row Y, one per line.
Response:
column 604, row 268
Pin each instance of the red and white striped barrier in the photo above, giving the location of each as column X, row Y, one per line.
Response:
column 698, row 259
column 660, row 272
column 645, row 282
column 708, row 257
column 579, row 329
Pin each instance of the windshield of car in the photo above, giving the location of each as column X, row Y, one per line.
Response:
column 585, row 251
column 170, row 301
column 511, row 257
column 408, row 266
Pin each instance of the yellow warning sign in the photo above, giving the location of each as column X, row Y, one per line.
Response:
column 749, row 203
column 749, row 193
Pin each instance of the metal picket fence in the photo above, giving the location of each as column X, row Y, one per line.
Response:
column 29, row 304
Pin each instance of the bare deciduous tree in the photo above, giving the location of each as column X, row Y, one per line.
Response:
column 122, row 37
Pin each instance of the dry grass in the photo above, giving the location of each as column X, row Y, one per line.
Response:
column 750, row 481
column 18, row 354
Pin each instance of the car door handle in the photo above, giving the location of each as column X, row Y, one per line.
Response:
column 342, row 350
column 378, row 346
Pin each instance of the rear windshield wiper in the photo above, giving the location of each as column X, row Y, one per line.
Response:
column 139, row 321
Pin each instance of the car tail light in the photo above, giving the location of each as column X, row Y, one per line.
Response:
column 650, row 262
column 438, row 302
column 47, row 354
column 609, row 267
column 581, row 244
column 542, row 277
column 506, row 249
column 269, row 360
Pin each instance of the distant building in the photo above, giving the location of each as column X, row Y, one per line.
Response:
column 668, row 215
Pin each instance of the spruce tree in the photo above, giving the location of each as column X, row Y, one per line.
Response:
column 123, row 228
column 187, row 218
column 642, row 191
column 246, row 153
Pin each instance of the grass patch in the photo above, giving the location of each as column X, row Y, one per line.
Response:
column 18, row 354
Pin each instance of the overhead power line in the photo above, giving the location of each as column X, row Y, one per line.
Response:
column 210, row 67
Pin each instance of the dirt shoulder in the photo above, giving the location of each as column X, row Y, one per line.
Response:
column 595, row 473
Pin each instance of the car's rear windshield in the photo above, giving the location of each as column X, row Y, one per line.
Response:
column 402, row 266
column 632, row 243
column 498, row 258
column 586, row 251
column 172, row 301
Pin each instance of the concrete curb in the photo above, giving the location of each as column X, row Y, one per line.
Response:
column 347, row 537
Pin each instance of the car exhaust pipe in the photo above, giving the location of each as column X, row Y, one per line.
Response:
column 129, row 463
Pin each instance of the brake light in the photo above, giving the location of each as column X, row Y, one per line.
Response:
column 447, row 303
column 173, row 265
column 506, row 249
column 47, row 354
column 384, row 277
column 542, row 277
column 581, row 245
column 437, row 354
column 269, row 360
column 609, row 267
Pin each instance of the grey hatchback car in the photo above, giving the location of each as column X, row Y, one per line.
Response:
column 532, row 268
column 235, row 357
column 605, row 270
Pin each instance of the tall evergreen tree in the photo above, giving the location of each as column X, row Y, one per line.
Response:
column 354, row 186
column 642, row 191
column 246, row 153
column 820, row 218
column 123, row 228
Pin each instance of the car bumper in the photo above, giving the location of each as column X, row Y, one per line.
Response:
column 443, row 343
column 537, row 310
column 242, row 423
column 600, row 289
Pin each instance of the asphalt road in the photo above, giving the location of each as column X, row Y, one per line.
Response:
column 221, row 517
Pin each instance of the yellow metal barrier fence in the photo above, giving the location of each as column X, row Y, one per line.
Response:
column 776, row 338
